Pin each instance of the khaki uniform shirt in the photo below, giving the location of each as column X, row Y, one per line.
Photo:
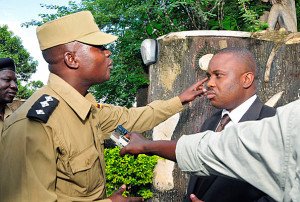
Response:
column 7, row 112
column 63, row 159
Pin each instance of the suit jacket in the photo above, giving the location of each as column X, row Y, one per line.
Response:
column 222, row 189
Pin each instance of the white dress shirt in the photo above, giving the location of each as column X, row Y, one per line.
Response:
column 236, row 114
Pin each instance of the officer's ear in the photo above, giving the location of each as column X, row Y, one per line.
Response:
column 70, row 60
column 248, row 79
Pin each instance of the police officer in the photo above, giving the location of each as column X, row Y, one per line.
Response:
column 52, row 146
column 8, row 87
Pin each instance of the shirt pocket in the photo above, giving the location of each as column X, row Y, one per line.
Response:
column 84, row 160
column 86, row 172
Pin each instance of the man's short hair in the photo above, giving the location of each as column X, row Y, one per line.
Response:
column 244, row 54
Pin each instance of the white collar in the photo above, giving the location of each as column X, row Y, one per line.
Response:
column 236, row 114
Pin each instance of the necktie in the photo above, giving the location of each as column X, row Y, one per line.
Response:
column 225, row 119
column 205, row 182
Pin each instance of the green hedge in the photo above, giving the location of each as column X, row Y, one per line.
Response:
column 136, row 174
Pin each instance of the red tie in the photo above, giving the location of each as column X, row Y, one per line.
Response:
column 225, row 119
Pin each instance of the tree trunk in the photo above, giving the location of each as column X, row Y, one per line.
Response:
column 178, row 68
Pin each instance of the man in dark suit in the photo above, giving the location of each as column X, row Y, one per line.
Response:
column 232, row 74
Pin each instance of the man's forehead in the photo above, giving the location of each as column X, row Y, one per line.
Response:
column 7, row 72
column 221, row 56
column 225, row 62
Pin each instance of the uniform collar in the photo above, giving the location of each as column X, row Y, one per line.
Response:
column 80, row 104
column 7, row 111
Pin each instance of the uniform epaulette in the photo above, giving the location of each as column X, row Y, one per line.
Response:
column 43, row 108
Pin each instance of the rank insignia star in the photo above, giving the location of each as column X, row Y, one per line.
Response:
column 40, row 111
column 44, row 103
column 48, row 98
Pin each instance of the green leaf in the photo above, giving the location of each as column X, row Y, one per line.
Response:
column 149, row 29
column 135, row 173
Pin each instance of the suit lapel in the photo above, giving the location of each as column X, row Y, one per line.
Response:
column 253, row 112
column 212, row 122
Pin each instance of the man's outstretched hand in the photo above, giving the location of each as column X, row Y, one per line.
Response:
column 197, row 89
column 137, row 144
column 117, row 196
